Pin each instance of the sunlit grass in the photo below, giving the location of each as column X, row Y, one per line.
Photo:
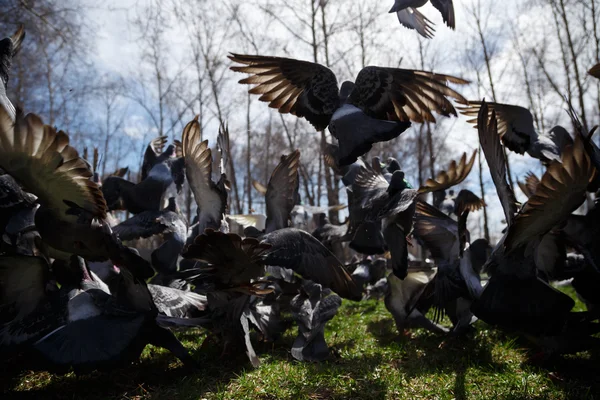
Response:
column 369, row 361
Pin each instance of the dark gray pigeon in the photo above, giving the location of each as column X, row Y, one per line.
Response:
column 517, row 131
column 378, row 106
column 83, row 325
column 515, row 297
column 312, row 308
column 410, row 17
column 166, row 225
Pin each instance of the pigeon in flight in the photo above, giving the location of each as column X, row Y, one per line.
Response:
column 377, row 107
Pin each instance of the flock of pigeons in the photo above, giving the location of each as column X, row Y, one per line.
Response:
column 81, row 290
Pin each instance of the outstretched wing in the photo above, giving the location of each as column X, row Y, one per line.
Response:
column 301, row 252
column 492, row 149
column 282, row 192
column 561, row 190
column 412, row 18
column 437, row 232
column 210, row 199
column 531, row 182
column 455, row 174
column 446, row 8
column 297, row 87
column 404, row 95
column 515, row 124
column 43, row 162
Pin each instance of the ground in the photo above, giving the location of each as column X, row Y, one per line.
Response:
column 370, row 360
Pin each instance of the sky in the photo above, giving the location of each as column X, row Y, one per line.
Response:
column 118, row 52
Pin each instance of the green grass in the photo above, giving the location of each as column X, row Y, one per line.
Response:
column 370, row 360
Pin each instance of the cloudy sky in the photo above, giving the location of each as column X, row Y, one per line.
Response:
column 119, row 51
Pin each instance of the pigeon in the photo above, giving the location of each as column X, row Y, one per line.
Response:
column 147, row 195
column 312, row 308
column 83, row 324
column 72, row 215
column 378, row 106
column 211, row 197
column 154, row 155
column 410, row 17
column 458, row 261
column 515, row 297
column 402, row 300
column 167, row 226
column 517, row 131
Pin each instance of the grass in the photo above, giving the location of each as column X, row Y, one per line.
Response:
column 370, row 360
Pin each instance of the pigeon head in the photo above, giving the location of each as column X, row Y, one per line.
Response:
column 392, row 165
column 345, row 91
column 398, row 183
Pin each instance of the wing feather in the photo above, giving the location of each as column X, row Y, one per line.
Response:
column 42, row 160
column 494, row 154
column 297, row 87
column 282, row 191
column 561, row 191
column 198, row 170
column 455, row 174
column 404, row 95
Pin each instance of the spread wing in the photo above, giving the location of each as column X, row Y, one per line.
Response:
column 282, row 192
column 515, row 124
column 467, row 201
column 404, row 95
column 561, row 190
column 211, row 200
column 145, row 225
column 446, row 8
column 412, row 18
column 43, row 162
column 369, row 186
column 455, row 174
column 223, row 148
column 297, row 87
column 177, row 303
column 437, row 232
column 257, row 221
column 531, row 182
column 301, row 252
column 492, row 149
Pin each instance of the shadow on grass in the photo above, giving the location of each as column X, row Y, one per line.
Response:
column 159, row 370
column 427, row 353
